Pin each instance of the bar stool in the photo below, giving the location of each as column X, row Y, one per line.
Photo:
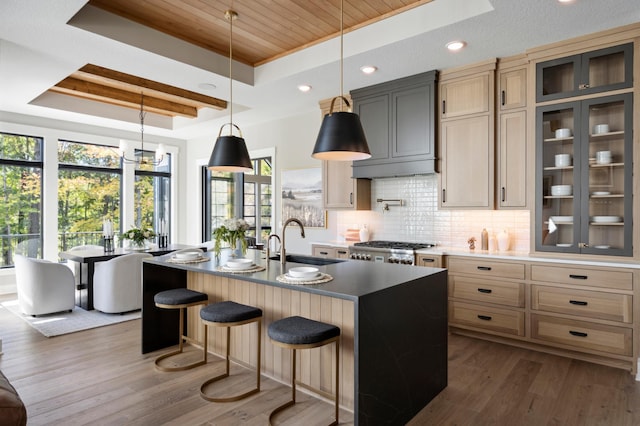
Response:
column 229, row 314
column 302, row 333
column 181, row 298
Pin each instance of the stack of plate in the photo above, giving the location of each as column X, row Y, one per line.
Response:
column 303, row 273
column 606, row 219
column 562, row 219
column 239, row 264
column 188, row 255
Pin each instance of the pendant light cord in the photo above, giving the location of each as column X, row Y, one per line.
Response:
column 230, row 14
column 142, row 122
column 341, row 50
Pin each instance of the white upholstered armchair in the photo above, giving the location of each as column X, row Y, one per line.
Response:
column 117, row 283
column 44, row 287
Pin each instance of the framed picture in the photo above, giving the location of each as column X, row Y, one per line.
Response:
column 302, row 197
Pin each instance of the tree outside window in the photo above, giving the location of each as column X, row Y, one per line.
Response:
column 21, row 180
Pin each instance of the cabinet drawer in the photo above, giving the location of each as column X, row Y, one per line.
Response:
column 577, row 275
column 594, row 304
column 322, row 251
column 486, row 268
column 583, row 334
column 503, row 293
column 434, row 261
column 495, row 319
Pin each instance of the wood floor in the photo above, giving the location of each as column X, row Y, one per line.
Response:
column 99, row 376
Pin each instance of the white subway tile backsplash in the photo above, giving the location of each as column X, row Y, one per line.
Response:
column 419, row 220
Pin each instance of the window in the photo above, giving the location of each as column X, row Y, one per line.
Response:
column 152, row 192
column 253, row 201
column 89, row 188
column 21, row 180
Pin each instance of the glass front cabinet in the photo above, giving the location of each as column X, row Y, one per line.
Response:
column 584, row 176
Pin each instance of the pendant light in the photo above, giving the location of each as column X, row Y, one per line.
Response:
column 341, row 137
column 139, row 159
column 230, row 152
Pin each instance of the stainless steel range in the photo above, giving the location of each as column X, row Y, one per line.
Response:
column 387, row 251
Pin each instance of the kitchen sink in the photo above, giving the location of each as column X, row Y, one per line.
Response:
column 308, row 260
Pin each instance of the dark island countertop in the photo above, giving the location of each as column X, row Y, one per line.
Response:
column 351, row 279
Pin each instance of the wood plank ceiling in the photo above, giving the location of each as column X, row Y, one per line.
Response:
column 267, row 30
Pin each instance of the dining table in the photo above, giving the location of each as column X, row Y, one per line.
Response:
column 88, row 257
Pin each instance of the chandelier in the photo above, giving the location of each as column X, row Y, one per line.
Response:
column 139, row 157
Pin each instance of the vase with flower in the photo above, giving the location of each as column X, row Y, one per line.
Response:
column 138, row 238
column 233, row 233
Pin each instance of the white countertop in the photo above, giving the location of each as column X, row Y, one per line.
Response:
column 526, row 256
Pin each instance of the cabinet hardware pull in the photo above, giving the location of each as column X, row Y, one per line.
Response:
column 324, row 252
column 484, row 268
column 578, row 333
column 443, row 109
column 578, row 302
column 502, row 97
column 484, row 317
column 426, row 259
column 342, row 252
column 503, row 194
column 485, row 290
column 443, row 196
column 578, row 277
column 351, row 198
column 583, row 86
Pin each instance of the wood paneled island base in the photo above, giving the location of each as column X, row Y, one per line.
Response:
column 393, row 320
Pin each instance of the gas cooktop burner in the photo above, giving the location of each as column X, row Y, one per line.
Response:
column 394, row 245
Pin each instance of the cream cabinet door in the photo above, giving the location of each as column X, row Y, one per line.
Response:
column 512, row 160
column 465, row 96
column 513, row 89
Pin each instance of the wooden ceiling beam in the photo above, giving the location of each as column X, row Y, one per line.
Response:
column 89, row 90
column 94, row 71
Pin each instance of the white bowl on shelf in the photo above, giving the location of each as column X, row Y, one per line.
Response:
column 600, row 128
column 561, row 190
column 303, row 272
column 563, row 133
column 563, row 160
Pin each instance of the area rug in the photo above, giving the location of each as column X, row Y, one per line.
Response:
column 69, row 322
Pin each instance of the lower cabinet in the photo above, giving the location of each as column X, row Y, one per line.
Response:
column 432, row 260
column 327, row 251
column 576, row 310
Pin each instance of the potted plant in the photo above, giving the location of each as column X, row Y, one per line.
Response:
column 138, row 237
column 231, row 232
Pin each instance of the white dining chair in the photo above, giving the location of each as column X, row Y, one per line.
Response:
column 43, row 287
column 117, row 283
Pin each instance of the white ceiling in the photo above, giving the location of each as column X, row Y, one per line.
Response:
column 38, row 48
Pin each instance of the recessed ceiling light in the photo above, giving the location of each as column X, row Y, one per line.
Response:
column 565, row 1
column 207, row 86
column 368, row 69
column 454, row 46
column 304, row 88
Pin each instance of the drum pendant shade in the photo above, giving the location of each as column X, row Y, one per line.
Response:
column 341, row 138
column 230, row 155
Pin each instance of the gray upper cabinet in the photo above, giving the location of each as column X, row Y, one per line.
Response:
column 398, row 118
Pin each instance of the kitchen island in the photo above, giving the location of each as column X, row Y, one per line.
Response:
column 393, row 319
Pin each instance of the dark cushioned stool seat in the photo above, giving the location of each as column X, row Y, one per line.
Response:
column 12, row 409
column 229, row 311
column 298, row 333
column 179, row 296
column 301, row 331
column 230, row 314
column 182, row 299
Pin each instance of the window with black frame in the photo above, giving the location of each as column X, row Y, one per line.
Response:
column 21, row 179
column 89, row 191
column 239, row 195
column 152, row 192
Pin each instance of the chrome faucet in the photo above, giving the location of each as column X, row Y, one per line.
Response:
column 283, row 251
column 269, row 245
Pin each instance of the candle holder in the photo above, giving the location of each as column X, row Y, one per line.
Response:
column 108, row 245
column 163, row 240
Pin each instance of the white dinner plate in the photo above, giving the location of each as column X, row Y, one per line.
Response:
column 603, row 246
column 239, row 264
column 316, row 277
column 562, row 219
column 564, row 245
column 188, row 255
column 601, row 193
column 606, row 219
column 303, row 272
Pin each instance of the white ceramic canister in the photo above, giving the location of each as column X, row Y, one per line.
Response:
column 503, row 240
column 364, row 233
